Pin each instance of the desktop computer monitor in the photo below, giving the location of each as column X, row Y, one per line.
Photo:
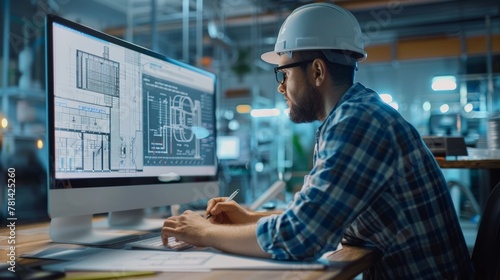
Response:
column 128, row 129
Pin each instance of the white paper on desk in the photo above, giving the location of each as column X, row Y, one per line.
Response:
column 185, row 261
column 228, row 261
column 63, row 253
column 137, row 260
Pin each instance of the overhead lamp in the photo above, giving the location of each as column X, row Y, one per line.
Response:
column 440, row 83
column 228, row 115
column 4, row 122
column 259, row 113
column 386, row 97
column 233, row 125
column 39, row 144
column 243, row 108
column 394, row 105
column 444, row 108
column 468, row 107
column 426, row 106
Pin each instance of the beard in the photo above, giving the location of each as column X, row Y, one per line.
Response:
column 308, row 106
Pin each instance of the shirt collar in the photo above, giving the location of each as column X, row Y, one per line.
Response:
column 350, row 93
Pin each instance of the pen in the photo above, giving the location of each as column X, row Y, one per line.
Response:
column 227, row 200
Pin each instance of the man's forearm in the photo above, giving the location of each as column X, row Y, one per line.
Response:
column 236, row 239
column 257, row 215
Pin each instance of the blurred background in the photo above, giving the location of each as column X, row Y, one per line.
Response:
column 436, row 61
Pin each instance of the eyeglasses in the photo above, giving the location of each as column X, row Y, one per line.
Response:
column 281, row 76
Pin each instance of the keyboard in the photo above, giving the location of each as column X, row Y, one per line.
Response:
column 155, row 243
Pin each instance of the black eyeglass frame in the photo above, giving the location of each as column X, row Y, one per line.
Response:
column 283, row 74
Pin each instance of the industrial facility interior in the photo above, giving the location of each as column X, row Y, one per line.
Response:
column 435, row 61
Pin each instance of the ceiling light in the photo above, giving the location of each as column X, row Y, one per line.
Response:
column 444, row 108
column 387, row 98
column 468, row 107
column 233, row 125
column 258, row 113
column 4, row 122
column 394, row 105
column 426, row 106
column 243, row 109
column 444, row 83
column 39, row 144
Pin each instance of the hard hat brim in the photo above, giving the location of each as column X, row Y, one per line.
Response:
column 270, row 57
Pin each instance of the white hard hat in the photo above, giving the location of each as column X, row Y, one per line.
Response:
column 318, row 26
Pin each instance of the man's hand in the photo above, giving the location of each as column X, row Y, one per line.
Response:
column 194, row 229
column 189, row 227
column 228, row 212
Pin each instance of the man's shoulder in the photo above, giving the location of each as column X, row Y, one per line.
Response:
column 363, row 107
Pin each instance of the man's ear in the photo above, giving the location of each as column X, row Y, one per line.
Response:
column 319, row 71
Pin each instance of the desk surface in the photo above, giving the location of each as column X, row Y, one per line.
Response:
column 466, row 163
column 346, row 263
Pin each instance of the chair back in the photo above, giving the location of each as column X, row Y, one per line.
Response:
column 486, row 252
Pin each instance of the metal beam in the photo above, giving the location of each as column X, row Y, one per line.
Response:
column 6, row 29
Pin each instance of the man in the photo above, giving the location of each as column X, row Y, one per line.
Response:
column 373, row 181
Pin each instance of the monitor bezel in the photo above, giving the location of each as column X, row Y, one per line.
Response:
column 137, row 184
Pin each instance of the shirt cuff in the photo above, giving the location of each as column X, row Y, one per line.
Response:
column 265, row 232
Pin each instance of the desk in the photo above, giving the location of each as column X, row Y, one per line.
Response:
column 488, row 171
column 346, row 263
column 470, row 164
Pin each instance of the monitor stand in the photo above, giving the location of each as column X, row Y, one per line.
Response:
column 120, row 226
column 80, row 230
column 133, row 220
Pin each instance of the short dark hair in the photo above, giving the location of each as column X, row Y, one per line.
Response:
column 340, row 74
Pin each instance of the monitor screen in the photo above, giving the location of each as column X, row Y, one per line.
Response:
column 447, row 124
column 128, row 128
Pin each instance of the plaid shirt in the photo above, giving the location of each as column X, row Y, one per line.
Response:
column 373, row 183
